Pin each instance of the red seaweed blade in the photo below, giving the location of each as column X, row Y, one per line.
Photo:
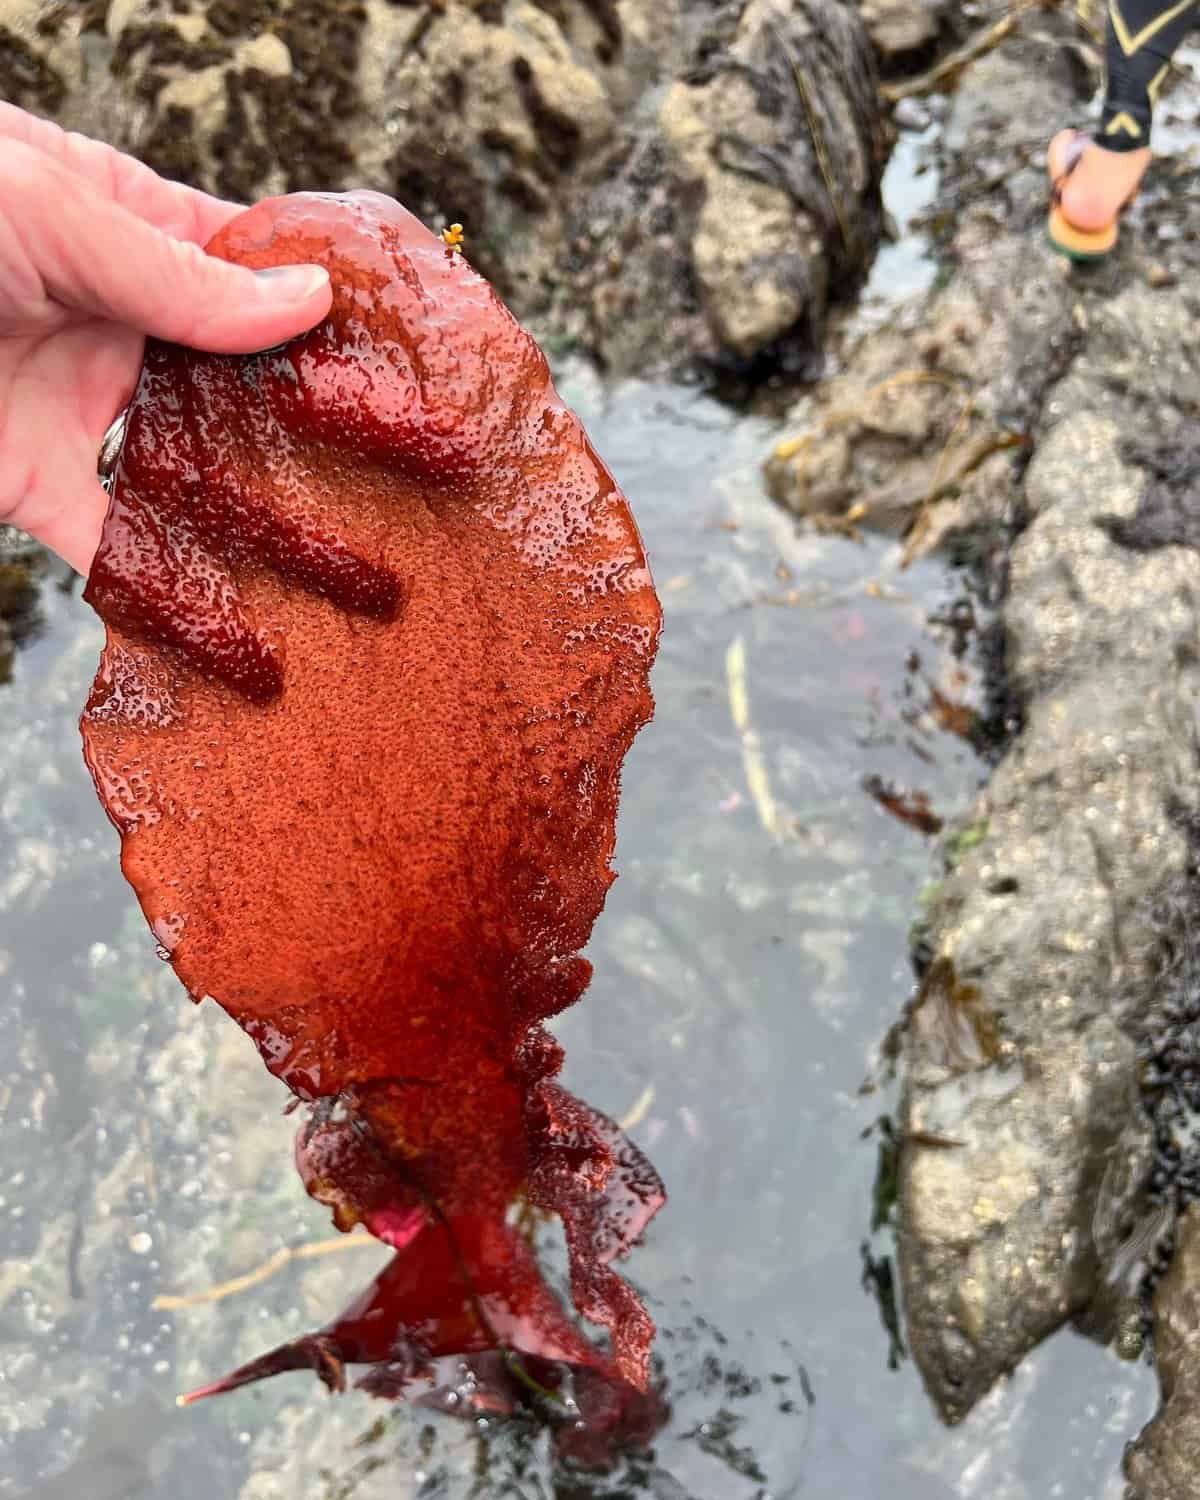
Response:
column 379, row 625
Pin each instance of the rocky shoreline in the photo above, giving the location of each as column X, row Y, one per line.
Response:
column 1037, row 416
column 665, row 185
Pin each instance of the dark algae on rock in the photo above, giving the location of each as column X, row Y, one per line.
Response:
column 1070, row 1111
column 379, row 629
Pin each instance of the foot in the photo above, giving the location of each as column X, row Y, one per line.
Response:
column 1100, row 186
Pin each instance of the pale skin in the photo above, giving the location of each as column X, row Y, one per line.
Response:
column 96, row 253
column 1100, row 185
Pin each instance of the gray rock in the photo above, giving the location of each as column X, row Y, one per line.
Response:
column 778, row 143
column 908, row 427
column 1027, row 1143
column 902, row 30
column 926, row 415
column 1042, row 920
column 1023, row 1183
column 652, row 180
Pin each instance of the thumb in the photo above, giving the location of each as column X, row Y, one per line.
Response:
column 97, row 257
column 228, row 309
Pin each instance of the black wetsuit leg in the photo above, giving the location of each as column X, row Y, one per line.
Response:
column 1142, row 36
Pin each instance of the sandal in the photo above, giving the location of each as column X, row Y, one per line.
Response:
column 1067, row 238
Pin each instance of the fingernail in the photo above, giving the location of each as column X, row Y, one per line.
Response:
column 293, row 283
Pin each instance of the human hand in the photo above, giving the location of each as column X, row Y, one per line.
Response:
column 96, row 252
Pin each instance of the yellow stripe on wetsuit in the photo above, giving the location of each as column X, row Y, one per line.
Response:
column 1142, row 37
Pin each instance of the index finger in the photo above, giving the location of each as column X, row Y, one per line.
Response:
column 182, row 212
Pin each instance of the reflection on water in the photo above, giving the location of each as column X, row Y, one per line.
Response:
column 905, row 267
column 748, row 965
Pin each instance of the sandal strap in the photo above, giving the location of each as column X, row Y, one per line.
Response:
column 1078, row 144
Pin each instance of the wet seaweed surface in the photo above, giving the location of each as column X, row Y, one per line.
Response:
column 1168, row 514
column 400, row 522
column 753, row 954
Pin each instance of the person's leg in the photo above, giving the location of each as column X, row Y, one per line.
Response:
column 1141, row 37
column 1141, row 40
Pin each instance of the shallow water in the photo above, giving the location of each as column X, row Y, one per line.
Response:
column 905, row 267
column 750, row 960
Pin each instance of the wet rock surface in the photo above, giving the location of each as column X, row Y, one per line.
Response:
column 651, row 181
column 925, row 421
column 1046, row 1119
column 904, row 32
column 775, row 133
column 1041, row 915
